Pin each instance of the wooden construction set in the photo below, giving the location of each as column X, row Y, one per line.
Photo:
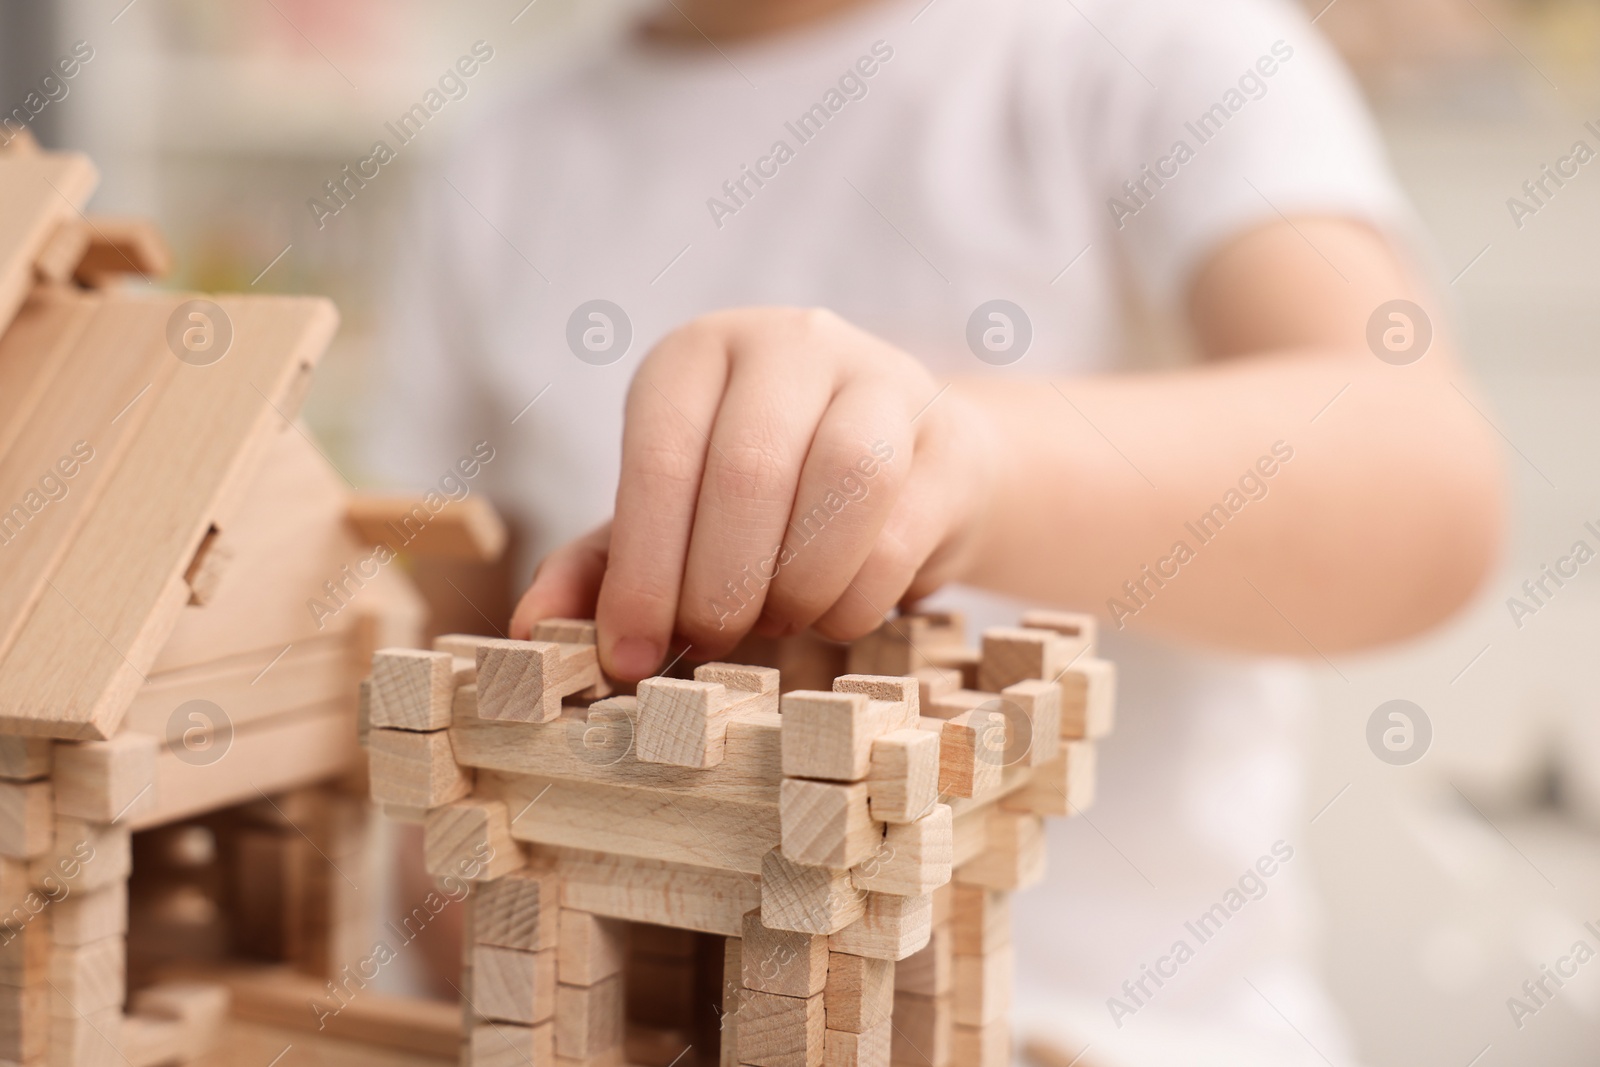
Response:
column 802, row 857
column 800, row 863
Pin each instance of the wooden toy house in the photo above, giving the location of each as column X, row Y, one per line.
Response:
column 772, row 866
column 171, row 709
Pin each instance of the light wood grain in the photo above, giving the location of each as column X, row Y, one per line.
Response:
column 827, row 824
column 653, row 891
column 915, row 858
column 860, row 991
column 890, row 928
column 782, row 961
column 416, row 770
column 412, row 689
column 592, row 948
column 107, row 619
column 903, row 779
column 524, row 681
column 779, row 1031
column 467, row 529
column 104, row 781
column 812, row 900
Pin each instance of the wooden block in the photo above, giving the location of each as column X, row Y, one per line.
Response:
column 779, row 1031
column 62, row 253
column 935, row 682
column 682, row 722
column 1064, row 786
column 25, row 819
column 904, row 690
column 964, row 661
column 589, row 1019
column 89, row 1040
column 470, row 839
column 870, row 1048
column 970, row 745
column 415, row 770
column 971, row 834
column 759, row 682
column 195, row 1010
column 942, row 900
column 915, row 859
column 520, row 911
column 903, row 781
column 412, row 688
column 1039, row 701
column 981, row 1046
column 82, row 917
column 23, row 759
column 1088, row 698
column 732, row 1002
column 922, row 1031
column 524, row 681
column 590, row 948
column 826, row 824
column 930, row 970
column 105, row 781
column 24, row 1023
column 983, row 986
column 461, row 646
column 1072, row 624
column 507, row 1045
column 25, row 953
column 638, row 822
column 510, row 985
column 85, row 855
column 85, row 979
column 902, row 645
column 891, row 928
column 859, row 993
column 830, row 735
column 809, row 900
column 782, row 961
column 656, row 891
column 119, row 246
column 1012, row 654
column 468, row 530
column 1015, row 856
column 980, row 919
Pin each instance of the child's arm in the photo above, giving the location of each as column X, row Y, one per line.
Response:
column 740, row 425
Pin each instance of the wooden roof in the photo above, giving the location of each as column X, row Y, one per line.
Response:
column 94, row 566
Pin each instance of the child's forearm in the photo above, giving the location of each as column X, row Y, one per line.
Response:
column 1295, row 502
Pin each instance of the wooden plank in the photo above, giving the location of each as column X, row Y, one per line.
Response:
column 82, row 653
column 599, row 750
column 916, row 857
column 892, row 928
column 120, row 246
column 860, row 992
column 811, row 900
column 39, row 191
column 105, row 781
column 521, row 910
column 782, row 961
column 295, row 499
column 302, row 1002
column 470, row 839
column 633, row 822
column 827, row 824
column 414, row 770
column 25, row 819
column 465, row 529
column 591, row 948
column 117, row 352
column 311, row 745
column 652, row 891
column 25, row 759
column 250, row 687
column 779, row 1031
column 62, row 252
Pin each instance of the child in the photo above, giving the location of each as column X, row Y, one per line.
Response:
column 804, row 309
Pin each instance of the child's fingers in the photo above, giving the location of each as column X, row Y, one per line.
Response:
column 852, row 476
column 911, row 533
column 671, row 404
column 566, row 584
column 766, row 422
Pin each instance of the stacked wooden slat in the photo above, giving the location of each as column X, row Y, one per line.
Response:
column 854, row 849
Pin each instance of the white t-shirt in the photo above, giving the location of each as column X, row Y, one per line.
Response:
column 1067, row 157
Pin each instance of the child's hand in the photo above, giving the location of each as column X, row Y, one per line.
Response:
column 780, row 469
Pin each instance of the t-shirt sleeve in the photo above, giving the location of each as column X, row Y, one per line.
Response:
column 422, row 393
column 1224, row 115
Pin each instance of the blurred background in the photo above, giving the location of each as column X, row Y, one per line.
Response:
column 1447, row 882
